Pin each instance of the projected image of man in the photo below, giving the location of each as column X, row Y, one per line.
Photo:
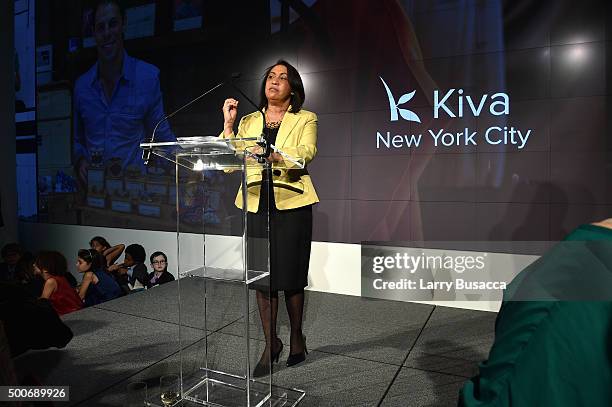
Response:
column 117, row 101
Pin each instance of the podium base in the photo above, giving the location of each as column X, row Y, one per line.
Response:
column 217, row 389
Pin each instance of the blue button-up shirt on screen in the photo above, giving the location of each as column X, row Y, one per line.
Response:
column 116, row 128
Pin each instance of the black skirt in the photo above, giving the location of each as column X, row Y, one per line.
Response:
column 290, row 234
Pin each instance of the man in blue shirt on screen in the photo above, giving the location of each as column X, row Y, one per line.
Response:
column 117, row 101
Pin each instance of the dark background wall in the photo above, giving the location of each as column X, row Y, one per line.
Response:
column 8, row 187
column 550, row 57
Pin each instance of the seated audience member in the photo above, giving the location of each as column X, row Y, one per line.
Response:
column 29, row 323
column 11, row 253
column 553, row 339
column 111, row 253
column 133, row 272
column 27, row 277
column 53, row 268
column 160, row 274
column 97, row 285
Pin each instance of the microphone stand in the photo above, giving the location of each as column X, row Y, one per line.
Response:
column 263, row 142
column 146, row 155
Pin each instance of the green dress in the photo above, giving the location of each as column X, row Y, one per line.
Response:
column 554, row 347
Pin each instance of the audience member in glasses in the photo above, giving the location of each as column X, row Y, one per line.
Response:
column 97, row 286
column 52, row 266
column 132, row 274
column 110, row 253
column 160, row 274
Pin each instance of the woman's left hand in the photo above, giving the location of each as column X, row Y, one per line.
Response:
column 273, row 158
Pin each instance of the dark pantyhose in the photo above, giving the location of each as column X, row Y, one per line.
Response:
column 268, row 311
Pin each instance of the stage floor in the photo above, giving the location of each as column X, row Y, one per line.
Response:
column 363, row 352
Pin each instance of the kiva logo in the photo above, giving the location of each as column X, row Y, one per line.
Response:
column 394, row 106
column 498, row 104
column 453, row 103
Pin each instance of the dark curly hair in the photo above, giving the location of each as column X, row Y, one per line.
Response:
column 137, row 252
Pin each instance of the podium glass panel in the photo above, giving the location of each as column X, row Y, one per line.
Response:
column 223, row 259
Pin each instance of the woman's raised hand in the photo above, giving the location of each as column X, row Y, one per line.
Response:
column 230, row 110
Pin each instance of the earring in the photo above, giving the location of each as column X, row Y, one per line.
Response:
column 292, row 93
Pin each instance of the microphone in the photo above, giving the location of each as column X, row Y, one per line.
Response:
column 146, row 154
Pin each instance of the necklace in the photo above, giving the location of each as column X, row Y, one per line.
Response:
column 276, row 124
column 273, row 125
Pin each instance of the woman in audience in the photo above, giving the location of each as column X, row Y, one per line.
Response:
column 97, row 286
column 160, row 274
column 111, row 253
column 52, row 266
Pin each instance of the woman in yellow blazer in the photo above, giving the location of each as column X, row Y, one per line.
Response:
column 290, row 200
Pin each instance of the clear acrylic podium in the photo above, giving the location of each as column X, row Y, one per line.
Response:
column 220, row 336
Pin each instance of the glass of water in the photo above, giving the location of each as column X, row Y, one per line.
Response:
column 169, row 387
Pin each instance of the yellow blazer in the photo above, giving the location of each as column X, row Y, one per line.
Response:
column 297, row 137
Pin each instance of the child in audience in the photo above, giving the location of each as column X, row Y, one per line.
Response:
column 110, row 253
column 133, row 272
column 97, row 286
column 52, row 266
column 160, row 274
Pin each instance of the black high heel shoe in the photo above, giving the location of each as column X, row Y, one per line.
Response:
column 296, row 358
column 262, row 368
